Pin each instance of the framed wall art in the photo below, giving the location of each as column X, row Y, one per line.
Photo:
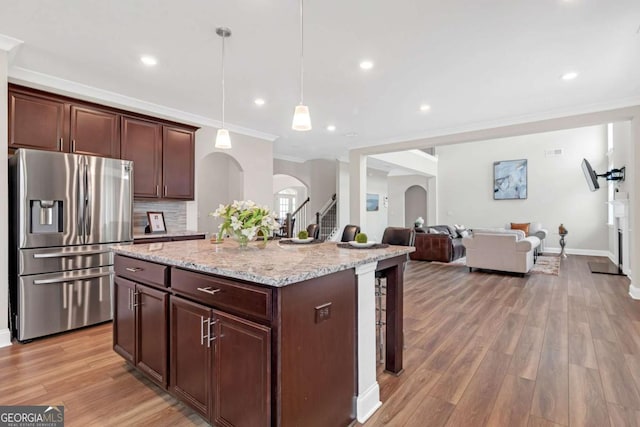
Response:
column 510, row 179
column 373, row 202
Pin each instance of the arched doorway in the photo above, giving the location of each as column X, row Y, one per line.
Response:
column 221, row 181
column 415, row 204
column 288, row 194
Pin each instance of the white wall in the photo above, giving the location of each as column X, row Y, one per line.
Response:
column 5, row 335
column 377, row 220
column 342, row 191
column 255, row 157
column 280, row 182
column 557, row 191
column 225, row 171
column 397, row 187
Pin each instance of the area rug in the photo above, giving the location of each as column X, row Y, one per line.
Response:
column 544, row 264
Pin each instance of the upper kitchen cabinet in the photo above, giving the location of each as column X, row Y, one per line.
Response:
column 178, row 151
column 94, row 132
column 36, row 122
column 163, row 158
column 142, row 143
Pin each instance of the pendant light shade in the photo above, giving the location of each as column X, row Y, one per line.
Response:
column 223, row 141
column 301, row 116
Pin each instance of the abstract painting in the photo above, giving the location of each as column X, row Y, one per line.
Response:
column 510, row 180
column 373, row 202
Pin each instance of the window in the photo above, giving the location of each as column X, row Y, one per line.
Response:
column 285, row 202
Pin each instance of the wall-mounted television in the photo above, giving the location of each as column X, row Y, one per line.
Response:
column 590, row 175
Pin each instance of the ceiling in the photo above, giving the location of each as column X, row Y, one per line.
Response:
column 475, row 63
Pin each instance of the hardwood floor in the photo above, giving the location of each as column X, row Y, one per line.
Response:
column 481, row 349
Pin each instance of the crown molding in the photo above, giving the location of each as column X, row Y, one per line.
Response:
column 7, row 43
column 48, row 82
column 288, row 158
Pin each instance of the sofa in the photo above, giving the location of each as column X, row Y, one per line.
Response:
column 535, row 229
column 500, row 249
column 437, row 243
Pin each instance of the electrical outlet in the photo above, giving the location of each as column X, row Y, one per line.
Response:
column 323, row 312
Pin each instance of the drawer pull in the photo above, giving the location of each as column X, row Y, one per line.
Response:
column 134, row 269
column 208, row 290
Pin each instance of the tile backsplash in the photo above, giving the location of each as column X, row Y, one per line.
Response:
column 175, row 214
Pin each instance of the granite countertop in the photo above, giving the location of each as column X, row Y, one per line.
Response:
column 168, row 234
column 274, row 265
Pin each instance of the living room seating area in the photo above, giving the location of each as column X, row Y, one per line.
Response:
column 500, row 249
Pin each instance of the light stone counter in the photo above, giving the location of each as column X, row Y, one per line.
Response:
column 276, row 265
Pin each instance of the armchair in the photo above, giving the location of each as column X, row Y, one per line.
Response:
column 535, row 229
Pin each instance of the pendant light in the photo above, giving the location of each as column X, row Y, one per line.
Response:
column 223, row 140
column 301, row 117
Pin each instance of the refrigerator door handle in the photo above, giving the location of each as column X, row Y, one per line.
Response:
column 67, row 254
column 70, row 279
column 87, row 189
column 80, row 199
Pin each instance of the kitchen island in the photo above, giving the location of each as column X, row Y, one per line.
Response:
column 279, row 334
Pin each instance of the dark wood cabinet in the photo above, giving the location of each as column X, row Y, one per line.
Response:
column 241, row 372
column 152, row 309
column 140, row 330
column 36, row 122
column 178, row 151
column 220, row 364
column 94, row 132
column 141, row 142
column 162, row 151
column 190, row 356
column 124, row 319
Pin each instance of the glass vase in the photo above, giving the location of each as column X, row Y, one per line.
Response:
column 242, row 240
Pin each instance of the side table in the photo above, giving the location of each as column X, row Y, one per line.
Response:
column 562, row 244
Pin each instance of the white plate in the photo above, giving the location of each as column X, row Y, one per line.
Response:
column 307, row 240
column 361, row 245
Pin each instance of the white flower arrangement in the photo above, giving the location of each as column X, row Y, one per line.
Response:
column 244, row 219
column 419, row 221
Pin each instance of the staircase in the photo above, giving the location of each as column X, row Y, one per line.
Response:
column 327, row 219
column 296, row 221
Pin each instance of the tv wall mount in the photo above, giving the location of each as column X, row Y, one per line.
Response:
column 613, row 174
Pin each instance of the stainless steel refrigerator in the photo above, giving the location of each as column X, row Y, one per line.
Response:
column 65, row 212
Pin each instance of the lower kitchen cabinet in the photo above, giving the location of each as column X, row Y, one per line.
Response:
column 140, row 327
column 220, row 364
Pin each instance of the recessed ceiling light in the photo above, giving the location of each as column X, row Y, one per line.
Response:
column 366, row 65
column 258, row 101
column 569, row 76
column 425, row 107
column 148, row 60
column 331, row 128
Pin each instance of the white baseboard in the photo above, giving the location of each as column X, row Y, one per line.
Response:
column 5, row 338
column 367, row 403
column 587, row 252
column 634, row 292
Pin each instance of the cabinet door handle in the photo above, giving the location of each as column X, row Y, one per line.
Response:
column 211, row 338
column 135, row 299
column 208, row 290
column 157, row 191
column 202, row 334
column 134, row 269
column 165, row 191
column 129, row 306
column 73, row 145
column 60, row 144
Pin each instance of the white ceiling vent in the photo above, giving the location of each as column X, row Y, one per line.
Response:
column 553, row 153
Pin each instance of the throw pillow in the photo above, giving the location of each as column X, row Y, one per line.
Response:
column 434, row 231
column 524, row 227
